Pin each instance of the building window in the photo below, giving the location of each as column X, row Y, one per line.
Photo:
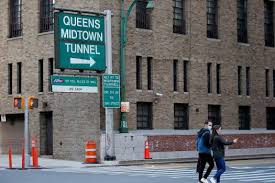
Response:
column 50, row 73
column 16, row 25
column 268, row 22
column 212, row 19
column 144, row 115
column 214, row 114
column 19, row 77
column 181, row 116
column 10, row 79
column 185, row 76
column 46, row 15
column 248, row 81
column 40, row 76
column 179, row 16
column 218, row 77
column 244, row 117
column 175, row 75
column 142, row 15
column 209, row 77
column 270, row 118
column 267, row 82
column 274, row 83
column 138, row 72
column 239, row 80
column 242, row 21
column 149, row 73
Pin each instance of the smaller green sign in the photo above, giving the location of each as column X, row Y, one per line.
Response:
column 74, row 84
column 111, row 91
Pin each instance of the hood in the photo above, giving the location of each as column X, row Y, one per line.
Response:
column 202, row 131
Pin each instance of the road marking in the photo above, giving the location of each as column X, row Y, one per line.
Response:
column 240, row 175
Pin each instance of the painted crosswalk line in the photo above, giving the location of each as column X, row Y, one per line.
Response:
column 241, row 174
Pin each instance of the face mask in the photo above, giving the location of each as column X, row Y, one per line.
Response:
column 210, row 128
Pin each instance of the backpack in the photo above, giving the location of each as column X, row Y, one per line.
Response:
column 200, row 143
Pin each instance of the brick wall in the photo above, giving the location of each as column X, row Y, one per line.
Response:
column 170, row 143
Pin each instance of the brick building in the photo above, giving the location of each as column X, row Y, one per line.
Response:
column 186, row 61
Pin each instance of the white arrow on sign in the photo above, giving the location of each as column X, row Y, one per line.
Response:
column 82, row 61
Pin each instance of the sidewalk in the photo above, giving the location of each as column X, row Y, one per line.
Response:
column 46, row 163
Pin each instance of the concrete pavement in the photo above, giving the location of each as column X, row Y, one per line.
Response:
column 45, row 163
column 258, row 171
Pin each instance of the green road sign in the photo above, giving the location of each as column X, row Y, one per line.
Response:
column 111, row 91
column 79, row 41
column 74, row 84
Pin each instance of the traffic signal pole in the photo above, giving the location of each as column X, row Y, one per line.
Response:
column 26, row 134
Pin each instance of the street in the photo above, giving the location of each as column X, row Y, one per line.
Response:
column 252, row 171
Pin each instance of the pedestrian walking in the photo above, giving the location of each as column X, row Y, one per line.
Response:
column 204, row 150
column 218, row 144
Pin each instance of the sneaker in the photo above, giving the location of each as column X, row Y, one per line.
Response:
column 203, row 180
column 213, row 180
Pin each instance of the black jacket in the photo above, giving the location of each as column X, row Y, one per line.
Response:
column 218, row 146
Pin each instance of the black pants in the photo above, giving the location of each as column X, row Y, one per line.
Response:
column 203, row 159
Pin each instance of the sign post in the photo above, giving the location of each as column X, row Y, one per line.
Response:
column 79, row 41
column 109, row 138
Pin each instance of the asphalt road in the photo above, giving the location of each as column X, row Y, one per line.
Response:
column 260, row 171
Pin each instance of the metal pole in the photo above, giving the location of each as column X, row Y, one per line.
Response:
column 123, row 123
column 109, row 138
column 26, row 134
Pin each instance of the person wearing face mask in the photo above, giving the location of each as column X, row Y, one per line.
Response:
column 218, row 144
column 204, row 150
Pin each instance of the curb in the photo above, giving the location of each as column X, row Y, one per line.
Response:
column 192, row 160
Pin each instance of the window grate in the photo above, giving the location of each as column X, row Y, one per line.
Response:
column 269, row 25
column 212, row 19
column 179, row 17
column 181, row 116
column 214, row 114
column 142, row 15
column 46, row 15
column 144, row 115
column 244, row 117
column 242, row 21
column 270, row 118
column 16, row 25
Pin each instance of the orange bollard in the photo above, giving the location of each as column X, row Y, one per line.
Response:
column 147, row 151
column 35, row 158
column 23, row 157
column 10, row 158
column 34, row 155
